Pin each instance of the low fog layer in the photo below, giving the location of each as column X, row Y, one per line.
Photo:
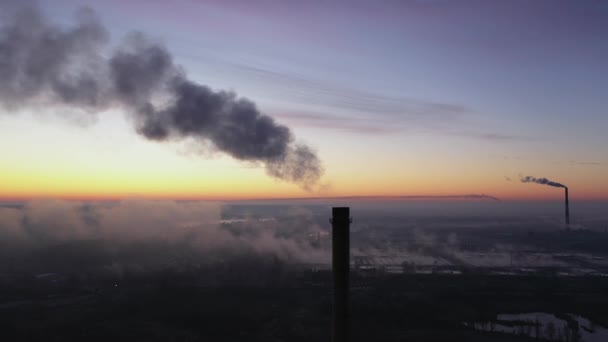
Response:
column 62, row 235
column 143, row 235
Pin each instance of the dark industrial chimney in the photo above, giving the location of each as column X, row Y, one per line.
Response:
column 567, row 209
column 341, row 268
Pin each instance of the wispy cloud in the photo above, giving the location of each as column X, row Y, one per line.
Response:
column 497, row 137
column 329, row 105
column 585, row 163
column 337, row 122
column 588, row 163
column 389, row 198
column 307, row 90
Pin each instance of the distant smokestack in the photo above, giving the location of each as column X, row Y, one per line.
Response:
column 341, row 268
column 567, row 209
column 545, row 181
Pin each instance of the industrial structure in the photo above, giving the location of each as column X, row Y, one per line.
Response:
column 341, row 269
column 567, row 208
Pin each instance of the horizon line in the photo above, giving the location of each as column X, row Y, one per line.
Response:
column 452, row 197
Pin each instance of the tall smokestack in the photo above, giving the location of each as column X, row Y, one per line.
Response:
column 567, row 209
column 341, row 268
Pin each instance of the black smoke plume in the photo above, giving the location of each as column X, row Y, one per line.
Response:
column 41, row 63
column 544, row 181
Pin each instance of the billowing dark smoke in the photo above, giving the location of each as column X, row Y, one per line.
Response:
column 40, row 60
column 544, row 181
column 44, row 64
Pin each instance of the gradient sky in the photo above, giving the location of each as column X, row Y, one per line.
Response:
column 427, row 97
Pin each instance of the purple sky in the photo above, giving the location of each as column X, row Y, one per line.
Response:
column 527, row 69
column 482, row 80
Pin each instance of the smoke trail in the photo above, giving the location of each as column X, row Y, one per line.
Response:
column 41, row 63
column 544, row 181
column 396, row 198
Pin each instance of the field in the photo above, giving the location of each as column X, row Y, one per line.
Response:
column 294, row 306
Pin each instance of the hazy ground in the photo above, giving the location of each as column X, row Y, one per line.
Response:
column 188, row 271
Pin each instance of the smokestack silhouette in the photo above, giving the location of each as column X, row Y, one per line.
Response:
column 567, row 208
column 341, row 269
column 545, row 181
column 45, row 64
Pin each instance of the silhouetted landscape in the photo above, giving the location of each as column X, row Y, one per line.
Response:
column 304, row 170
column 420, row 271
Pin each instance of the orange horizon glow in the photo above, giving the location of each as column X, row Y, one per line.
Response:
column 253, row 184
column 83, row 196
column 49, row 164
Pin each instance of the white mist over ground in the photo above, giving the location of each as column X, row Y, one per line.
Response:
column 149, row 234
column 48, row 221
